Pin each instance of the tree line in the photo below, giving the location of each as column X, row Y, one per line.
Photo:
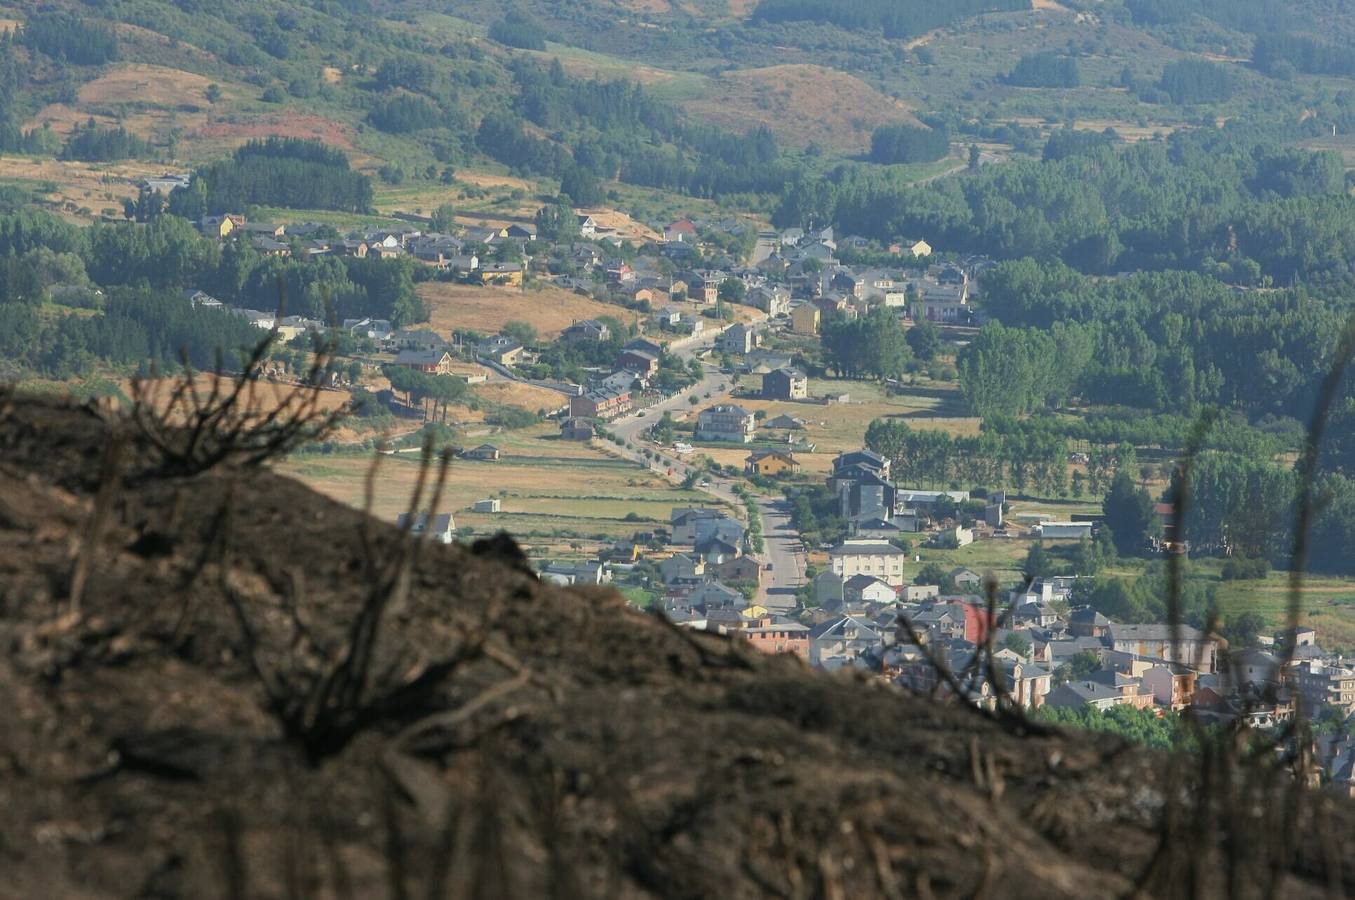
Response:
column 290, row 172
column 896, row 18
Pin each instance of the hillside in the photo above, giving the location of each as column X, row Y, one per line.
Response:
column 503, row 738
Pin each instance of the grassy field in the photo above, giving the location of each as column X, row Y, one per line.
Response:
column 842, row 426
column 487, row 309
column 551, row 491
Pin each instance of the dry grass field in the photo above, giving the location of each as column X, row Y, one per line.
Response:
column 529, row 397
column 800, row 104
column 550, row 490
column 842, row 426
column 487, row 309
column 94, row 187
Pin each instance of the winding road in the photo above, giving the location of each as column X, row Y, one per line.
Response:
column 783, row 552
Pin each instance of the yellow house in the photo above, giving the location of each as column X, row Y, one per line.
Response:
column 219, row 227
column 508, row 274
column 770, row 463
column 918, row 248
column 756, row 611
column 804, row 319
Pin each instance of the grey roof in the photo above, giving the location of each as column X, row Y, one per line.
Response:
column 442, row 522
column 1080, row 693
column 873, row 548
column 1153, row 633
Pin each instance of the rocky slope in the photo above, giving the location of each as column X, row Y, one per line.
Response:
column 183, row 715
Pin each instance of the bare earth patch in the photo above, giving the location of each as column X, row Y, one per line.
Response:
column 800, row 104
column 526, row 396
column 487, row 309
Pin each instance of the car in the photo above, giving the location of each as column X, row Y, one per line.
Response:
column 705, row 484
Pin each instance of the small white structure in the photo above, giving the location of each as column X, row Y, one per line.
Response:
column 1064, row 530
column 490, row 505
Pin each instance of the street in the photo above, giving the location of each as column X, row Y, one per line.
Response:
column 782, row 550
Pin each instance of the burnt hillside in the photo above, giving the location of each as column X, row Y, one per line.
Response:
column 186, row 715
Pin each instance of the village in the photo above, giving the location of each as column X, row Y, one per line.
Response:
column 703, row 367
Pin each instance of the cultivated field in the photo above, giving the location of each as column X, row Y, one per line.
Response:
column 551, row 490
column 487, row 309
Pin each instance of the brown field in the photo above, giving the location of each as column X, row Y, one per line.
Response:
column 527, row 396
column 800, row 104
column 8, row 25
column 92, row 186
column 146, row 99
column 625, row 227
column 226, row 134
column 487, row 309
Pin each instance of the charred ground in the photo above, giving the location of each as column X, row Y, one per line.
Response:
column 195, row 724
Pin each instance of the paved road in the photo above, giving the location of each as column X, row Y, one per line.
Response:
column 782, row 547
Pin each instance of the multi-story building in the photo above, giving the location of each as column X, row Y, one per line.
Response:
column 725, row 422
column 1322, row 684
column 867, row 557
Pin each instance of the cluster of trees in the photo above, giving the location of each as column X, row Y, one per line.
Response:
column 926, row 458
column 1224, row 201
column 432, row 392
column 64, row 36
column 90, row 143
column 1169, row 341
column 616, row 129
column 32, row 141
column 873, row 346
column 139, row 325
column 1045, row 70
column 908, row 144
column 896, row 18
column 1282, row 54
column 291, row 172
column 516, row 29
column 1191, row 81
column 815, row 512
column 401, row 113
column 1142, row 726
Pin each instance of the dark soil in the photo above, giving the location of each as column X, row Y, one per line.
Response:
column 511, row 739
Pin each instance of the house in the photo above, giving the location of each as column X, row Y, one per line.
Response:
column 441, row 528
column 166, row 184
column 868, row 557
column 1320, row 684
column 779, row 637
column 680, row 231
column 645, row 365
column 966, row 579
column 257, row 317
column 1171, row 686
column 725, row 422
column 1079, row 694
column 588, row 226
column 712, row 595
column 863, row 459
column 373, row 329
column 916, row 247
column 668, row 317
column 644, row 345
column 785, row 384
column 1087, row 622
column 500, row 349
column 770, row 463
column 574, row 428
column 606, row 399
column 566, row 574
column 417, row 339
column 785, row 422
column 587, row 330
column 486, row 452
column 521, row 232
column 774, row 300
column 693, row 525
column 916, row 593
column 804, row 319
column 433, row 362
column 737, row 338
column 220, row 227
column 1192, row 647
column 826, row 589
column 508, row 274
column 715, row 551
column 1064, row 530
column 739, row 570
column 489, row 505
column 681, row 566
column 860, row 590
column 843, row 642
column 270, row 247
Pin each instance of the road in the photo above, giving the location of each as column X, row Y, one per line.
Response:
column 782, row 549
